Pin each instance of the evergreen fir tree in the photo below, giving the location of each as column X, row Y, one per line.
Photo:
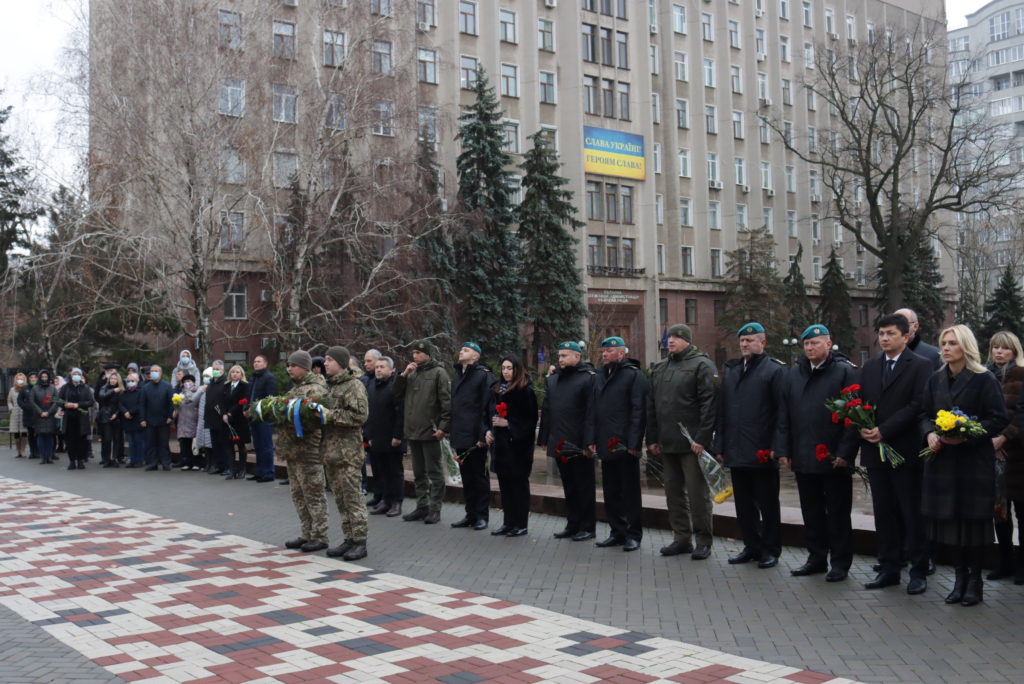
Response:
column 435, row 243
column 801, row 312
column 753, row 289
column 15, row 211
column 487, row 250
column 552, row 284
column 1004, row 309
column 834, row 306
column 922, row 287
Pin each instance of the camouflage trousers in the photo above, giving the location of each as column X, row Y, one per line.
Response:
column 306, row 481
column 344, row 473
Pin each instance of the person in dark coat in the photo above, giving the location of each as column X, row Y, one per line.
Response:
column 820, row 452
column 471, row 393
column 511, row 439
column 109, row 418
column 383, row 434
column 916, row 344
column 958, row 496
column 129, row 405
column 748, row 401
column 892, row 383
column 233, row 404
column 220, row 436
column 1006, row 362
column 28, row 415
column 156, row 416
column 262, row 384
column 76, row 399
column 368, row 377
column 620, row 410
column 43, row 405
column 567, row 422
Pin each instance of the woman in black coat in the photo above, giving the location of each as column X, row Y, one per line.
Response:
column 76, row 399
column 109, row 419
column 959, row 479
column 232, row 406
column 513, row 410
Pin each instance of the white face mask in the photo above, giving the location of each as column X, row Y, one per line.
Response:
column 189, row 384
column 207, row 379
column 76, row 378
column 132, row 384
column 20, row 381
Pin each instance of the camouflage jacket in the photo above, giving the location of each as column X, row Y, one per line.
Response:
column 346, row 398
column 310, row 386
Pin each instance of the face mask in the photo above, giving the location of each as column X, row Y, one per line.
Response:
column 207, row 379
column 189, row 384
column 154, row 375
column 217, row 373
column 76, row 378
column 44, row 381
column 132, row 384
column 20, row 381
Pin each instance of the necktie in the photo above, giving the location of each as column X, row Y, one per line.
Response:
column 890, row 364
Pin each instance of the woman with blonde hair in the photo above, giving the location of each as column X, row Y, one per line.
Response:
column 236, row 398
column 958, row 493
column 1006, row 361
column 16, row 426
column 109, row 418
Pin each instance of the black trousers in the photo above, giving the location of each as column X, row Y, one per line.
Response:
column 32, row 453
column 185, row 455
column 514, row 484
column 220, row 448
column 578, row 485
column 826, row 500
column 112, row 446
column 158, row 451
column 621, row 483
column 388, row 475
column 77, row 444
column 237, row 456
column 896, row 498
column 476, row 483
column 756, row 494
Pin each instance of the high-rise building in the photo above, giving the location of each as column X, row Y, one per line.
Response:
column 655, row 108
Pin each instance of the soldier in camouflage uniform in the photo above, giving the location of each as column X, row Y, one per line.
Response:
column 305, row 465
column 342, row 449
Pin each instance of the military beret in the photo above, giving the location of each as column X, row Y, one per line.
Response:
column 571, row 346
column 752, row 328
column 681, row 331
column 613, row 341
column 815, row 330
column 474, row 346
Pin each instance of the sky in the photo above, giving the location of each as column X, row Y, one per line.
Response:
column 33, row 34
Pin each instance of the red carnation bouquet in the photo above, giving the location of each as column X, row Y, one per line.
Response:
column 564, row 451
column 823, row 455
column 764, row 456
column 849, row 409
column 616, row 447
column 502, row 410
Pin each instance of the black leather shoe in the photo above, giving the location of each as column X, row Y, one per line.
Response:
column 676, row 548
column 917, row 585
column 432, row 518
column 631, row 545
column 81, row 465
column 768, row 561
column 394, row 511
column 808, row 569
column 381, row 508
column 701, row 552
column 373, row 501
column 341, row 549
column 973, row 594
column 517, row 532
column 884, row 579
column 503, row 530
column 264, row 479
column 583, row 535
column 355, row 553
column 311, row 546
column 152, row 467
column 564, row 534
column 72, row 466
column 480, row 524
column 836, row 575
column 295, row 543
column 610, row 541
column 744, row 556
column 959, row 587
column 417, row 514
column 465, row 522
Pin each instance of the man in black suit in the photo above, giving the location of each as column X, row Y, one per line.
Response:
column 915, row 343
column 892, row 382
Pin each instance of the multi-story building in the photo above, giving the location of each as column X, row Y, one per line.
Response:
column 655, row 108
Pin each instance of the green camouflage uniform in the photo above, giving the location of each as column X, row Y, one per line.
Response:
column 305, row 465
column 342, row 449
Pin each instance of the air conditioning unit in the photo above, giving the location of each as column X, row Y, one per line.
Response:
column 423, row 26
column 761, row 56
column 715, row 185
column 765, row 101
column 266, row 342
column 815, row 199
column 653, row 29
column 770, row 192
column 758, row 13
column 745, row 189
column 852, row 42
column 551, row 3
column 266, row 295
column 848, row 275
column 834, row 36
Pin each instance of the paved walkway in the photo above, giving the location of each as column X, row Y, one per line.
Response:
column 174, row 578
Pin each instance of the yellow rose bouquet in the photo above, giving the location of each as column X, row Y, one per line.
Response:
column 956, row 424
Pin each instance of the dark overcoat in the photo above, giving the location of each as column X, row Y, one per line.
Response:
column 385, row 421
column 568, row 411
column 748, row 408
column 231, row 408
column 74, row 420
column 471, row 390
column 620, row 408
column 897, row 407
column 131, row 403
column 512, row 451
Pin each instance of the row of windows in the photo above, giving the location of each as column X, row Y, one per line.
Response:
column 605, row 97
column 707, row 20
column 686, row 268
column 609, row 202
column 611, row 252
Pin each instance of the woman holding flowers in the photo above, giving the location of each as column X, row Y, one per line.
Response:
column 962, row 410
column 513, row 417
column 109, row 418
column 236, row 397
column 186, row 413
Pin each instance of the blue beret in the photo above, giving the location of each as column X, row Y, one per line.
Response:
column 571, row 346
column 474, row 346
column 752, row 328
column 614, row 341
column 815, row 330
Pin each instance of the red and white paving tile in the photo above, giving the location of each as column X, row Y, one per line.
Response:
column 157, row 600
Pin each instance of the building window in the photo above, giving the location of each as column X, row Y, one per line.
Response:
column 715, row 215
column 591, row 104
column 595, row 255
column 380, row 8
column 736, row 79
column 737, row 124
column 763, row 131
column 231, row 101
column 679, row 19
column 284, row 40
column 711, row 118
column 685, row 218
column 381, row 57
column 734, row 34
column 815, row 228
column 425, row 12
column 232, row 169
column 768, row 220
column 683, row 157
column 741, row 170
column 790, row 179
column 787, row 91
column 510, row 136
column 589, row 37
column 285, row 103
column 428, row 124
column 336, row 113
column 716, row 262
column 686, row 254
column 595, row 203
column 334, row 48
column 626, row 191
column 791, row 229
column 286, row 167
column 509, row 80
column 468, row 67
column 467, row 17
column 709, row 73
column 660, row 265
column 680, row 67
column 232, row 230
column 784, row 48
column 622, row 49
column 713, row 167
column 623, row 91
column 784, row 9
column 507, row 26
column 766, row 175
column 384, row 122
column 682, row 114
column 741, row 217
column 550, row 136
column 816, row 262
column 659, row 210
column 808, row 55
column 426, row 65
column 547, row 87
column 607, row 46
column 690, row 311
column 808, row 14
column 235, row 305
column 230, row 29
column 611, row 250
column 656, row 108
column 655, row 60
column 611, row 203
column 656, row 156
column 707, row 26
column 546, row 35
